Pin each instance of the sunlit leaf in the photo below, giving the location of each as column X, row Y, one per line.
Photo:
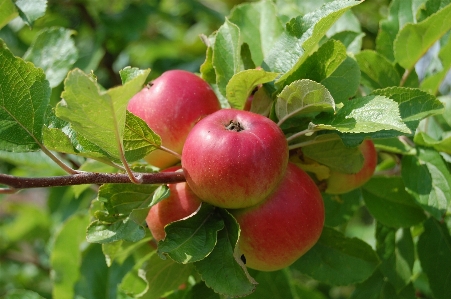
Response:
column 8, row 12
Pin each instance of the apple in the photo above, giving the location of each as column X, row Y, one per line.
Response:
column 283, row 227
column 234, row 158
column 170, row 106
column 181, row 203
column 339, row 182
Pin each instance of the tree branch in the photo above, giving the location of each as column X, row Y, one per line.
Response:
column 14, row 183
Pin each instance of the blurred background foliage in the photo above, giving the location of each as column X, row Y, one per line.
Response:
column 109, row 35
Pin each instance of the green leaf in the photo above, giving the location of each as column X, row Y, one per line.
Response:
column 259, row 27
column 163, row 276
column 66, row 256
column 303, row 99
column 22, row 294
column 243, row 83
column 401, row 12
column 31, row 10
column 367, row 114
column 432, row 83
column 434, row 252
column 227, row 54
column 54, row 51
column 193, row 238
column 24, row 96
column 7, row 12
column 351, row 39
column 339, row 209
column 200, row 290
column 338, row 260
column 335, row 155
column 387, row 200
column 82, row 109
column 272, row 285
column 222, row 270
column 123, row 229
column 139, row 214
column 139, row 139
column 377, row 71
column 443, row 145
column 302, row 36
column 415, row 39
column 428, row 180
column 330, row 66
column 414, row 104
column 396, row 267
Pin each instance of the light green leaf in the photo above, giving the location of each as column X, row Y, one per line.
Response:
column 227, row 54
column 8, row 12
column 22, row 294
column 31, row 10
column 401, row 12
column 351, row 39
column 97, row 115
column 139, row 139
column 338, row 260
column 243, row 83
column 434, row 252
column 66, row 256
column 432, row 83
column 303, row 99
column 443, row 145
column 387, row 200
column 192, row 239
column 377, row 71
column 367, row 114
column 415, row 39
column 24, row 96
column 259, row 27
column 222, row 270
column 54, row 51
column 302, row 36
column 123, row 229
column 428, row 180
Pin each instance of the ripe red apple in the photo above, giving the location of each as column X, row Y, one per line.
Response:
column 278, row 231
column 234, row 158
column 181, row 203
column 171, row 106
column 339, row 182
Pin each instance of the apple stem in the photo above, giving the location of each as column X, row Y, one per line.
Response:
column 170, row 152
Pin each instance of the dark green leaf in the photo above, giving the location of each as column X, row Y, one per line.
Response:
column 272, row 285
column 389, row 203
column 434, row 252
column 23, row 103
column 338, row 260
column 200, row 290
column 192, row 239
column 54, row 51
column 222, row 270
column 340, row 208
column 351, row 39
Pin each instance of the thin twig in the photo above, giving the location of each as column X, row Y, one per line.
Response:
column 15, row 183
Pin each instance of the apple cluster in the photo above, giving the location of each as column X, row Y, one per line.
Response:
column 236, row 160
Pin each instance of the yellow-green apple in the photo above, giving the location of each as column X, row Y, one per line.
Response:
column 283, row 227
column 234, row 158
column 339, row 182
column 181, row 203
column 170, row 106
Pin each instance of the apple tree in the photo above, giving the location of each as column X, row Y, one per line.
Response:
column 223, row 149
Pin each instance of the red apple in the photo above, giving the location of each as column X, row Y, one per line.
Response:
column 339, row 182
column 278, row 231
column 171, row 106
column 181, row 203
column 234, row 158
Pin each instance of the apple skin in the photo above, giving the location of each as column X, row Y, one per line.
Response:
column 171, row 106
column 234, row 168
column 278, row 231
column 340, row 183
column 181, row 203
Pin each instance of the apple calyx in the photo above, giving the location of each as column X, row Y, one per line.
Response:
column 234, row 126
